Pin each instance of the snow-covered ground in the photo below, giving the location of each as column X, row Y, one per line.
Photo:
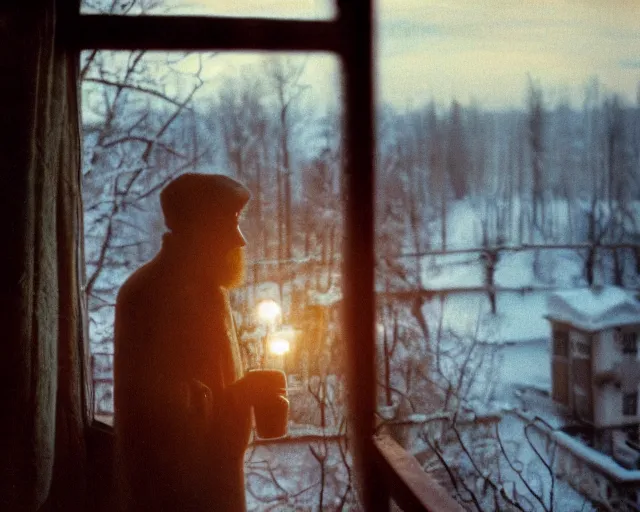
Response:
column 519, row 317
column 523, row 365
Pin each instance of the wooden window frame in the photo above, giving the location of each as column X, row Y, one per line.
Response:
column 349, row 36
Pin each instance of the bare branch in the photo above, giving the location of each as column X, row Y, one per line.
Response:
column 137, row 88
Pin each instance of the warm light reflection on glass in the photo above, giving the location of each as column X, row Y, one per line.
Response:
column 269, row 311
column 279, row 346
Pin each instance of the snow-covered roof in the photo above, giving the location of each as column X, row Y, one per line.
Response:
column 594, row 309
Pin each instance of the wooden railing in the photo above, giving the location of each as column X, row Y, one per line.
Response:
column 407, row 483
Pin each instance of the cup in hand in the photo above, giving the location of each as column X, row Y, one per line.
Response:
column 271, row 411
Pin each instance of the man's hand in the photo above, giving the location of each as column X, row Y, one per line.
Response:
column 260, row 385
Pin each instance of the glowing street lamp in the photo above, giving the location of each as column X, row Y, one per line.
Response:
column 279, row 346
column 269, row 311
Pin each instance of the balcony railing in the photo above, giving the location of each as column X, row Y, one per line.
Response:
column 408, row 485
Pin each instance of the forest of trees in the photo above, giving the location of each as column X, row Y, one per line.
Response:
column 549, row 173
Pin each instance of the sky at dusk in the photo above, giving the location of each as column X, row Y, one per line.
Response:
column 474, row 50
column 485, row 49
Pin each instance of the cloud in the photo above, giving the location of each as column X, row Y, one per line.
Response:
column 400, row 28
column 630, row 63
column 480, row 49
column 484, row 50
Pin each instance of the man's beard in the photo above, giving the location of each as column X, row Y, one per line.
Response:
column 231, row 268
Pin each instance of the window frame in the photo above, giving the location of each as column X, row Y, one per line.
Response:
column 384, row 469
column 349, row 37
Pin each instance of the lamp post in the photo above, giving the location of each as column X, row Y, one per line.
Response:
column 280, row 344
column 268, row 313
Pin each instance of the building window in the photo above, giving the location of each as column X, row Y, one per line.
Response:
column 629, row 343
column 630, row 404
column 582, row 404
column 581, row 349
column 561, row 343
column 632, row 435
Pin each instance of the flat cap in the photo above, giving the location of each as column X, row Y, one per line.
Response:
column 192, row 198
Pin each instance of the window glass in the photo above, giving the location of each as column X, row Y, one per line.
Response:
column 581, row 349
column 274, row 123
column 630, row 404
column 292, row 9
column 505, row 169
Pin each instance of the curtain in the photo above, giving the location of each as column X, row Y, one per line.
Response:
column 43, row 396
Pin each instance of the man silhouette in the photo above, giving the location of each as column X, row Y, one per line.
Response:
column 182, row 404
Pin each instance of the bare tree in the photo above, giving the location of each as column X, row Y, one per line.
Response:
column 536, row 147
column 438, row 184
column 457, row 153
column 494, row 473
column 284, row 76
column 135, row 142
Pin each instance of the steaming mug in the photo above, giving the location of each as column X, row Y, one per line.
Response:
column 271, row 415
